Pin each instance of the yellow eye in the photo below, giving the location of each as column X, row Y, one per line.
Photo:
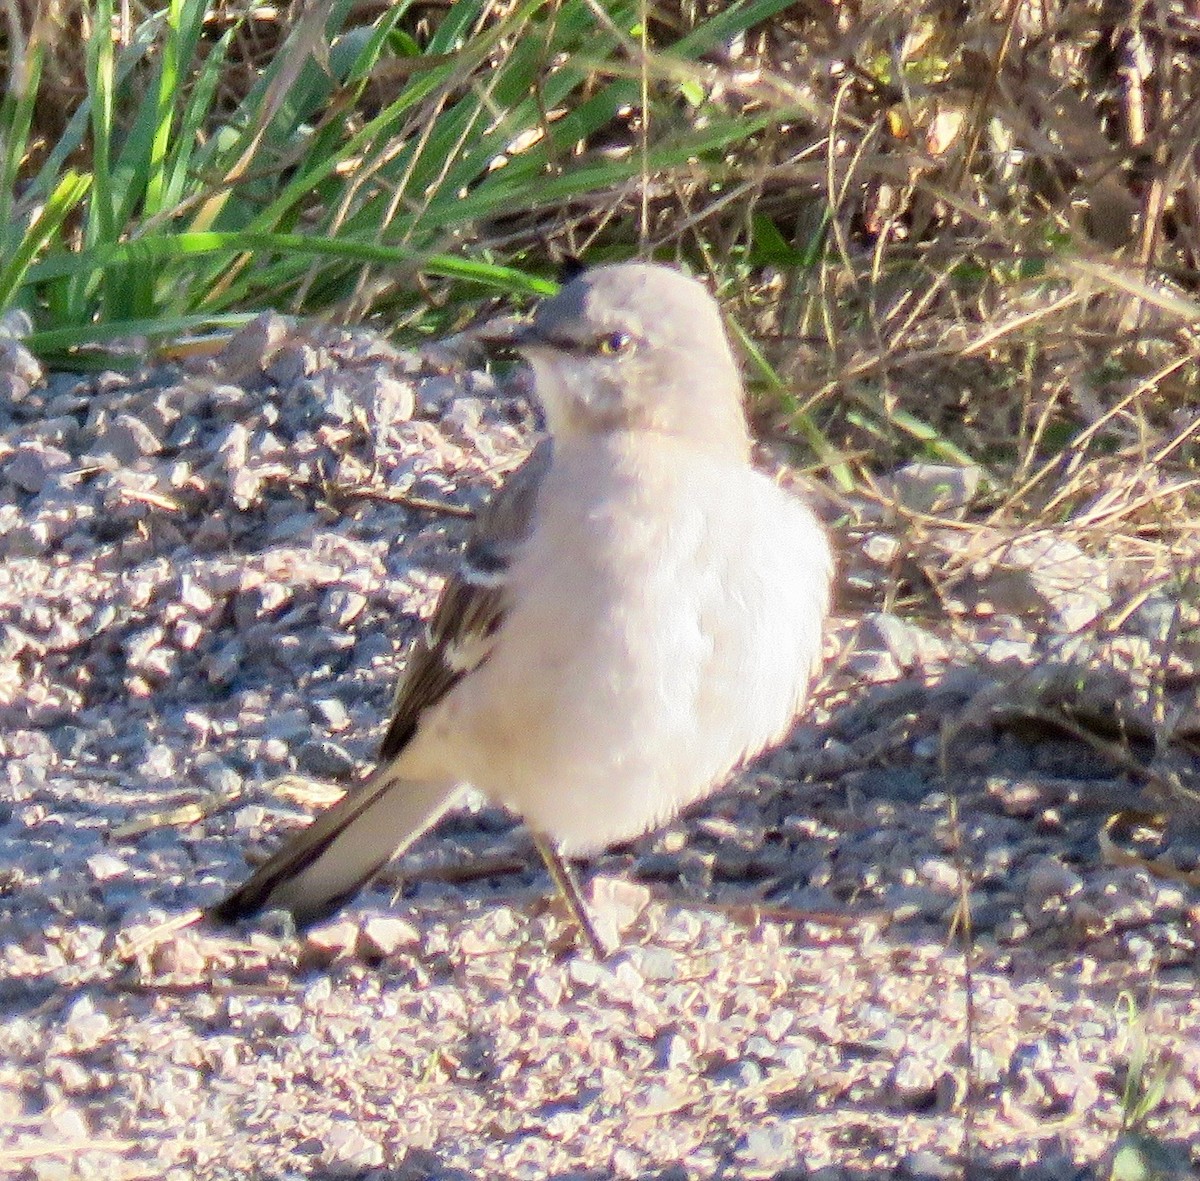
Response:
column 614, row 344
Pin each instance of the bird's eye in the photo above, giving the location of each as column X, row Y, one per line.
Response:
column 614, row 344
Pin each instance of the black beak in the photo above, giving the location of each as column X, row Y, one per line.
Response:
column 504, row 334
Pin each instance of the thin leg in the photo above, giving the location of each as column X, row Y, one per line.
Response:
column 564, row 883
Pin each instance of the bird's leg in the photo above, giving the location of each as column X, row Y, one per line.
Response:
column 568, row 889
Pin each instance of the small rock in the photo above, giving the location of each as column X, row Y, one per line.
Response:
column 187, row 634
column 346, row 1145
column 940, row 873
column 194, row 596
column 1021, row 798
column 34, row 465
column 16, row 324
column 259, row 602
column 741, row 1073
column 291, row 362
column 881, row 548
column 71, row 1075
column 126, row 439
column 158, row 762
column 587, row 973
column 250, row 818
column 341, row 607
column 382, row 937
column 616, row 904
column 942, row 489
column 1049, row 880
column 873, row 667
column 251, row 347
column 889, row 783
column 1012, row 931
column 286, row 725
column 1158, row 616
column 672, row 1051
column 69, row 1124
column 222, row 666
column 216, row 773
column 85, row 1025
column 179, row 955
column 1039, row 573
column 18, row 362
column 909, row 645
column 1010, row 651
column 392, row 401
column 332, row 712
column 913, row 1084
column 324, row 759
column 655, row 963
column 768, row 1148
column 233, row 446
column 927, row 1166
column 103, row 867
column 331, row 941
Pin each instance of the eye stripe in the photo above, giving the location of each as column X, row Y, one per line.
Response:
column 607, row 344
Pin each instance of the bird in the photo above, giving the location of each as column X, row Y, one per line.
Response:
column 637, row 614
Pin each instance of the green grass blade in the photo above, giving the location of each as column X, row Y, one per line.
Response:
column 76, row 131
column 70, row 191
column 59, row 342
column 454, row 31
column 16, row 116
column 763, row 371
column 166, row 94
column 733, row 19
column 196, row 115
column 157, row 250
column 101, row 221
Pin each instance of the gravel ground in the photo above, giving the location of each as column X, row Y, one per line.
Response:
column 210, row 572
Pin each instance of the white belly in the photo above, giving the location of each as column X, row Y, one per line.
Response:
column 640, row 663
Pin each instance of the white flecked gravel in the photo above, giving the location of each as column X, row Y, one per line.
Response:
column 210, row 572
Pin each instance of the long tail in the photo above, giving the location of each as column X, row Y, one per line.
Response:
column 321, row 867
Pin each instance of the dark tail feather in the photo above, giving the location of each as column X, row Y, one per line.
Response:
column 331, row 860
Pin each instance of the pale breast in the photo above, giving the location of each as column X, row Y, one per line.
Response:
column 664, row 626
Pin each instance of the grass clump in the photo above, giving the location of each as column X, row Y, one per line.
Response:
column 358, row 163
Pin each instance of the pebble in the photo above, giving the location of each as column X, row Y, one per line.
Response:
column 382, row 936
column 927, row 1166
column 248, row 350
column 340, row 608
column 345, row 1146
column 933, row 487
column 84, row 1025
column 769, row 1147
column 907, row 644
column 337, row 939
column 1050, row 880
column 34, row 464
column 324, row 759
column 332, row 713
column 103, row 867
column 126, row 439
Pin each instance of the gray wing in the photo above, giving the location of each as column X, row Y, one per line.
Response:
column 472, row 606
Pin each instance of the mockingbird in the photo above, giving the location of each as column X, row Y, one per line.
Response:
column 638, row 611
